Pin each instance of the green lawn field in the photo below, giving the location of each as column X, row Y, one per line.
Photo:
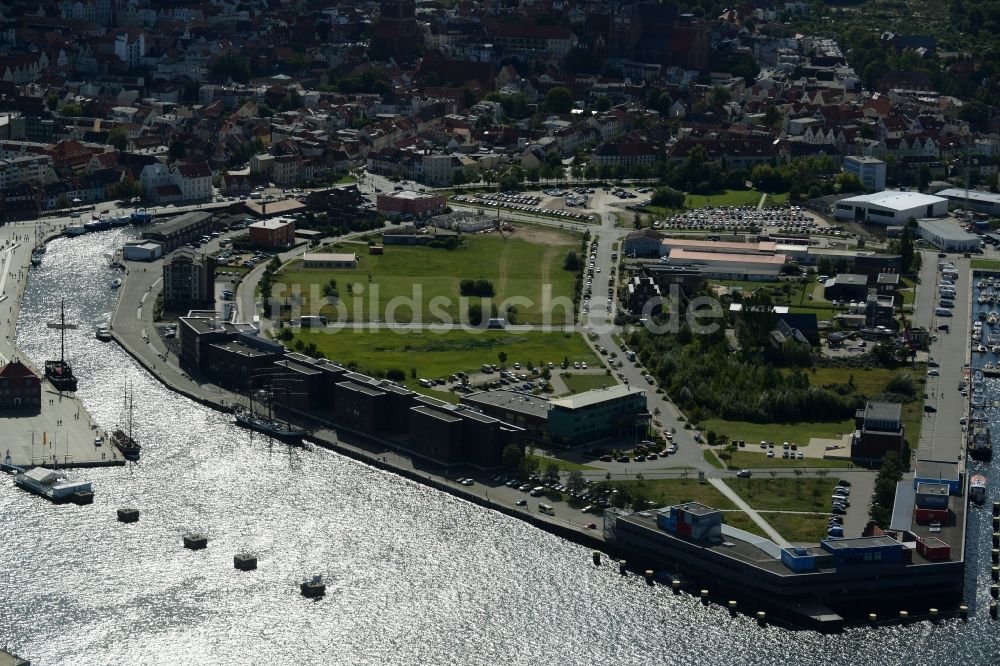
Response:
column 667, row 492
column 798, row 528
column 401, row 284
column 811, row 494
column 577, row 383
column 433, row 355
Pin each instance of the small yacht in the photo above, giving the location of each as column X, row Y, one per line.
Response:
column 116, row 283
column 981, row 349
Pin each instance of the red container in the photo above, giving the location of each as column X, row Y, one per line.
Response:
column 927, row 516
column 933, row 549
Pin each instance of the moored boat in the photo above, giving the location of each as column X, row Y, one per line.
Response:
column 59, row 373
column 103, row 333
column 268, row 426
column 123, row 439
column 980, row 442
column 977, row 488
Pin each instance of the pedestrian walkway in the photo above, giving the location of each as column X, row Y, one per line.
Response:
column 724, row 488
column 760, row 204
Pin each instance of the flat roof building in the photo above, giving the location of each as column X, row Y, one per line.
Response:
column 180, row 230
column 521, row 409
column 601, row 413
column 723, row 247
column 890, row 207
column 329, row 260
column 869, row 170
column 728, row 266
column 277, row 232
column 947, row 236
column 977, row 200
column 408, row 202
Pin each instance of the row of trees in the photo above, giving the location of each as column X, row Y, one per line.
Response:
column 481, row 287
column 885, row 489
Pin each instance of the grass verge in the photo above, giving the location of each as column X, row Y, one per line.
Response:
column 810, row 494
column 753, row 460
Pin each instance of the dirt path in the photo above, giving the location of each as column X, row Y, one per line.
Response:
column 504, row 271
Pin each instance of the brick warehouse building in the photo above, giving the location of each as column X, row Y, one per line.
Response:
column 278, row 232
column 20, row 388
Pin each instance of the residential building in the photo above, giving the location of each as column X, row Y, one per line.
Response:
column 188, row 280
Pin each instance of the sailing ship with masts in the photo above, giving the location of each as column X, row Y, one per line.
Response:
column 261, row 416
column 59, row 373
column 123, row 437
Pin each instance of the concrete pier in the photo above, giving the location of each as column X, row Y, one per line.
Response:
column 61, row 433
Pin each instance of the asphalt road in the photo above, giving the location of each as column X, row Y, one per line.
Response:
column 941, row 436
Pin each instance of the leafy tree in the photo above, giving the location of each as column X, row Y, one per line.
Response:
column 177, row 150
column 772, row 117
column 72, row 110
column 475, row 314
column 885, row 489
column 552, row 472
column 481, row 287
column 558, row 100
column 395, row 375
column 602, row 103
column 502, row 357
column 230, row 66
column 118, row 138
column 129, row 188
column 512, row 456
column 667, row 197
column 720, row 96
column 659, row 100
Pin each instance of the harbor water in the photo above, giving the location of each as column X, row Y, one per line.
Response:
column 414, row 576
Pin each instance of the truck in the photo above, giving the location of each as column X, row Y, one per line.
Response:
column 630, row 355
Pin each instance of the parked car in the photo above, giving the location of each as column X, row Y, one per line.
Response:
column 743, row 474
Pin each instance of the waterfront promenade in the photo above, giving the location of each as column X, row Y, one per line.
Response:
column 62, row 433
